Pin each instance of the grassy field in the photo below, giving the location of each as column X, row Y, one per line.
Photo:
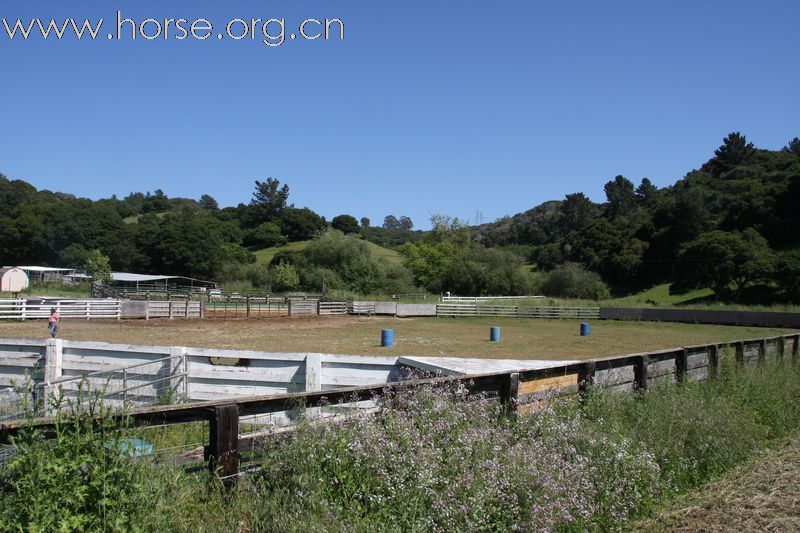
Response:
column 265, row 255
column 464, row 337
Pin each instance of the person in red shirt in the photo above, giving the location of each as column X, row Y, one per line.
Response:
column 53, row 323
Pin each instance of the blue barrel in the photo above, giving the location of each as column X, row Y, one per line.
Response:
column 584, row 329
column 387, row 338
column 494, row 334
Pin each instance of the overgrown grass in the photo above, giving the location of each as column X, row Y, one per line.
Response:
column 433, row 459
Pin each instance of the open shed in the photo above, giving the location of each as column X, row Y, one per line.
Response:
column 13, row 279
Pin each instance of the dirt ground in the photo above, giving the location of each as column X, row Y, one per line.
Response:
column 465, row 337
column 762, row 495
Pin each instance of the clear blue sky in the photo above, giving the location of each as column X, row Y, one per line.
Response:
column 424, row 107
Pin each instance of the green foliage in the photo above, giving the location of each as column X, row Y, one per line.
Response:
column 98, row 266
column 267, row 234
column 301, row 224
column 718, row 259
column 270, row 198
column 284, row 277
column 571, row 280
column 345, row 223
column 347, row 262
column 79, row 480
column 787, row 274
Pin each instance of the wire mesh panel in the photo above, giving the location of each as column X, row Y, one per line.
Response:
column 160, row 382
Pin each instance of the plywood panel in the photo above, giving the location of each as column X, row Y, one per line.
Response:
column 548, row 384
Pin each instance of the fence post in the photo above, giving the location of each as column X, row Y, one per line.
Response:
column 739, row 345
column 88, row 309
column 290, row 307
column 24, row 305
column 53, row 369
column 640, row 372
column 202, row 309
column 186, row 309
column 681, row 364
column 509, row 393
column 795, row 348
column 223, row 455
column 585, row 378
column 313, row 372
column 170, row 309
column 713, row 361
column 781, row 347
column 762, row 351
column 178, row 359
column 247, row 304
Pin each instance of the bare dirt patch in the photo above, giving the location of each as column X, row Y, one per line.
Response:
column 463, row 337
column 762, row 495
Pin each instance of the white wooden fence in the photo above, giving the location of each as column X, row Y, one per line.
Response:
column 458, row 299
column 174, row 309
column 88, row 309
column 516, row 311
column 333, row 308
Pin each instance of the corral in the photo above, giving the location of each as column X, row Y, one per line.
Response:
column 462, row 337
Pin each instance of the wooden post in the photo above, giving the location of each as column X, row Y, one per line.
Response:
column 313, row 372
column 202, row 309
column 640, row 372
column 247, row 304
column 739, row 352
column 795, row 348
column 509, row 393
column 585, row 378
column 290, row 308
column 781, row 347
column 713, row 361
column 186, row 309
column 53, row 367
column 762, row 351
column 223, row 456
column 681, row 364
column 170, row 310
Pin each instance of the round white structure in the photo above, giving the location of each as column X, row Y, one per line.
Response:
column 13, row 280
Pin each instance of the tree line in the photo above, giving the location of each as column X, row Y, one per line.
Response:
column 731, row 225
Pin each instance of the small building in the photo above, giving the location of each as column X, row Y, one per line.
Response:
column 145, row 282
column 13, row 279
column 40, row 274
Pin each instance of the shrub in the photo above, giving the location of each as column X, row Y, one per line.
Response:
column 573, row 281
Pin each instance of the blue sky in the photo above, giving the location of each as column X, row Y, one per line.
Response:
column 424, row 107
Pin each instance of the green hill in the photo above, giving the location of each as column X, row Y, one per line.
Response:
column 265, row 255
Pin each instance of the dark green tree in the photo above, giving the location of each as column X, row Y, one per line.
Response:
column 301, row 224
column 208, row 203
column 734, row 151
column 270, row 198
column 793, row 147
column 345, row 224
column 723, row 261
column 620, row 195
column 391, row 222
column 405, row 223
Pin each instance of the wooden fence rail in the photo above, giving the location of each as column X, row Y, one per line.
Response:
column 517, row 390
